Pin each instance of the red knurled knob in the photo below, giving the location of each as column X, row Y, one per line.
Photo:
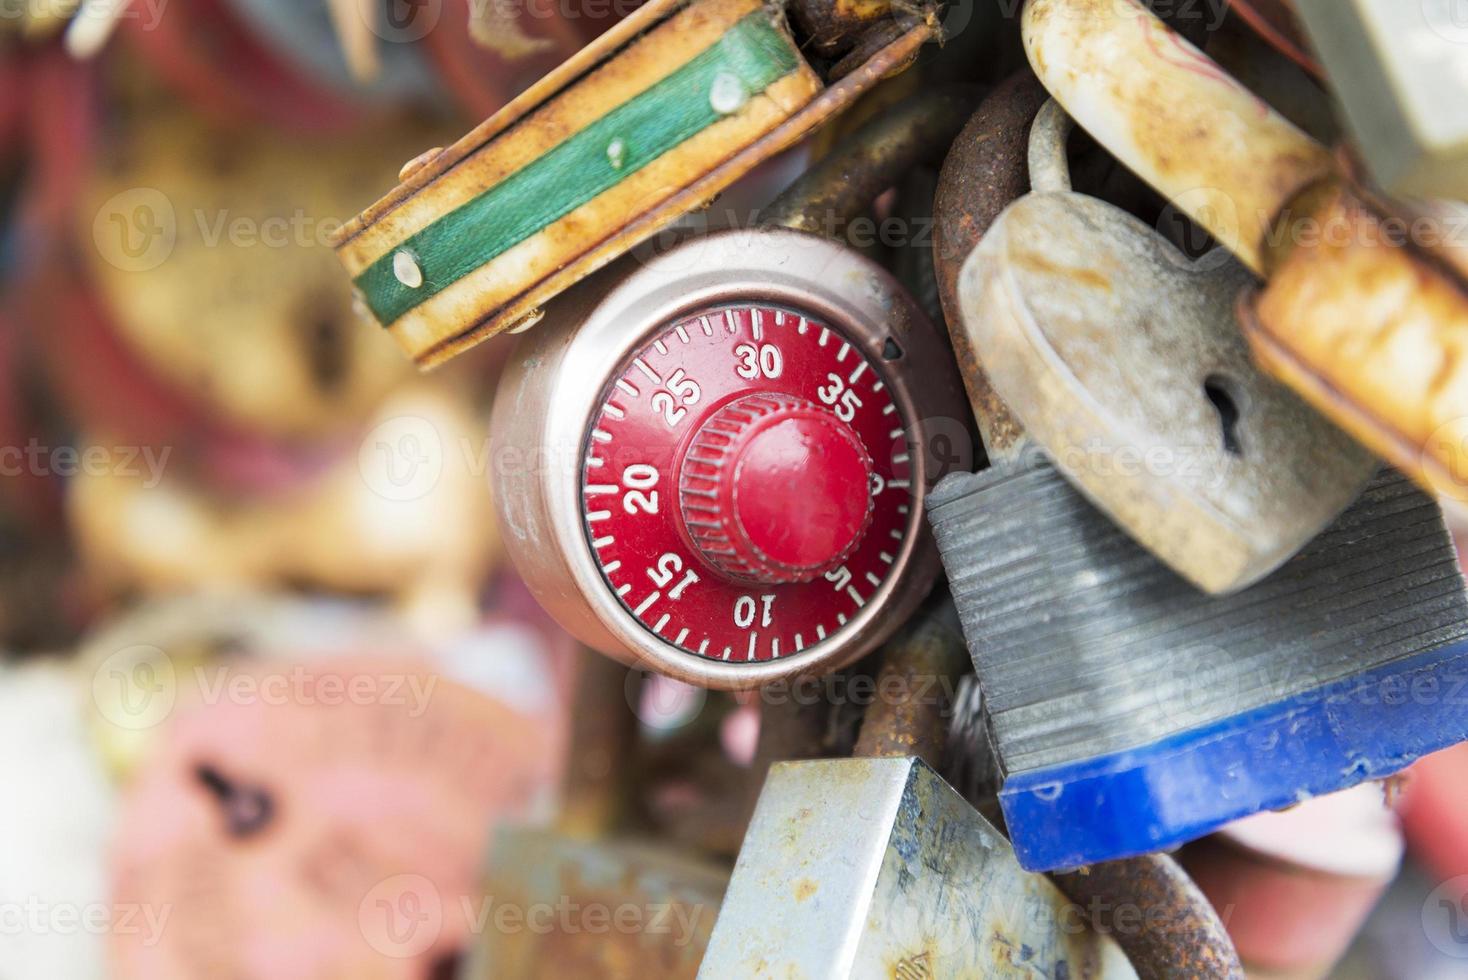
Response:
column 775, row 489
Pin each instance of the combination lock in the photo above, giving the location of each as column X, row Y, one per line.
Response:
column 735, row 441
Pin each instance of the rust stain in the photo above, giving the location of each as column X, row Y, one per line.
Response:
column 805, row 888
column 1038, row 262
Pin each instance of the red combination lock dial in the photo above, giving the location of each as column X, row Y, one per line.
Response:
column 749, row 415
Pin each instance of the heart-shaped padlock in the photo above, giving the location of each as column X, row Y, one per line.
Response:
column 1121, row 358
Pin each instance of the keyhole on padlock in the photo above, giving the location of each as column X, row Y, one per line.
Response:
column 247, row 809
column 1216, row 387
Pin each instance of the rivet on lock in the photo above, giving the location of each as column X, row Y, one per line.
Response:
column 1120, row 357
column 650, row 121
column 1366, row 326
column 714, row 463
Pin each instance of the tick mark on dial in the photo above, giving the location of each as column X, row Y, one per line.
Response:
column 651, row 375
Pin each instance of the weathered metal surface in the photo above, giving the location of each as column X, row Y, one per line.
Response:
column 1121, row 358
column 1131, row 712
column 694, row 173
column 915, row 688
column 871, row 159
column 589, row 157
column 986, row 169
column 833, row 27
column 1158, row 916
column 604, row 729
column 1177, row 120
column 1374, row 334
column 877, row 868
column 616, row 910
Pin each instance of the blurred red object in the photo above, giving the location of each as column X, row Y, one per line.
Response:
column 327, row 820
column 209, row 56
column 1435, row 811
column 1295, row 887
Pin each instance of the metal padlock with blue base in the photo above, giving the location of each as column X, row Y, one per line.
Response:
column 1131, row 713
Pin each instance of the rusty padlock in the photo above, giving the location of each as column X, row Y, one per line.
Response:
column 1071, row 623
column 1358, row 320
column 1120, row 357
column 650, row 121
